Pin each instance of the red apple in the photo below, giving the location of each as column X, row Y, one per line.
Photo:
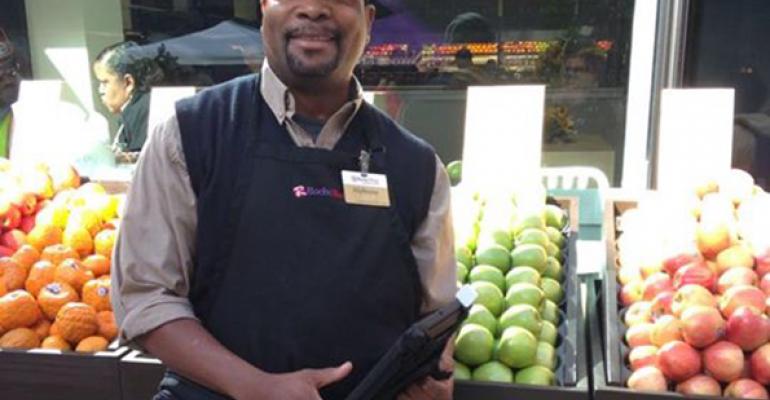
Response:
column 6, row 252
column 648, row 379
column 736, row 276
column 702, row 326
column 650, row 269
column 747, row 328
column 27, row 223
column 700, row 385
column 631, row 293
column 745, row 389
column 13, row 239
column 627, row 274
column 678, row 361
column 724, row 361
column 661, row 304
column 760, row 364
column 26, row 203
column 666, row 329
column 638, row 313
column 763, row 264
column 643, row 356
column 656, row 283
column 764, row 284
column 691, row 295
column 695, row 274
column 712, row 237
column 672, row 264
column 743, row 295
column 639, row 335
column 42, row 204
column 738, row 255
column 12, row 219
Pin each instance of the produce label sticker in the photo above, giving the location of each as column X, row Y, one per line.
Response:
column 365, row 189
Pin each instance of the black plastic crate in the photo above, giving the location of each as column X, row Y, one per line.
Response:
column 55, row 375
column 571, row 350
column 140, row 375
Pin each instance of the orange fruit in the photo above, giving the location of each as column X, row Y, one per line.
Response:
column 42, row 328
column 92, row 344
column 13, row 274
column 41, row 274
column 96, row 293
column 98, row 264
column 3, row 289
column 79, row 240
column 42, row 236
column 20, row 338
column 104, row 242
column 55, row 343
column 76, row 321
column 18, row 309
column 58, row 252
column 54, row 296
column 73, row 273
column 107, row 325
column 26, row 256
column 54, row 331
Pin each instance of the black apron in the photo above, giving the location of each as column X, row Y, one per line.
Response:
column 311, row 281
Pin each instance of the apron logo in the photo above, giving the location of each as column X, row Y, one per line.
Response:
column 302, row 191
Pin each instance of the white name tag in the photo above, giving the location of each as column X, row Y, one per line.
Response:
column 365, row 189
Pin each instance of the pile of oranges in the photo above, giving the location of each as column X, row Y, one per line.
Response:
column 55, row 256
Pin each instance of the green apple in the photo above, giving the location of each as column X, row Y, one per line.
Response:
column 555, row 216
column 553, row 270
column 518, row 348
column 522, row 274
column 552, row 290
column 533, row 236
column 521, row 315
column 548, row 333
column 462, row 272
column 488, row 273
column 493, row 371
column 461, row 372
column 524, row 293
column 536, row 375
column 546, row 355
column 549, row 311
column 473, row 345
column 555, row 236
column 479, row 315
column 464, row 256
column 489, row 296
column 530, row 255
column 494, row 255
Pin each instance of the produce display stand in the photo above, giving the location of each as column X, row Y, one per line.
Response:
column 571, row 373
column 140, row 375
column 55, row 375
column 610, row 379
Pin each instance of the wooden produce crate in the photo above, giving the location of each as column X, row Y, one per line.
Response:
column 571, row 349
column 55, row 375
column 140, row 375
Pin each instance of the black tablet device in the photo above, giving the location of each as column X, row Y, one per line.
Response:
column 416, row 353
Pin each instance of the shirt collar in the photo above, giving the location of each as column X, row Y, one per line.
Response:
column 280, row 100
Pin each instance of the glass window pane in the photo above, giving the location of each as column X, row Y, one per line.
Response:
column 728, row 47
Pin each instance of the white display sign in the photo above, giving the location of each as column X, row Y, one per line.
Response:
column 696, row 136
column 502, row 149
column 162, row 102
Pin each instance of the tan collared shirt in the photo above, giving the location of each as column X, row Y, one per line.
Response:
column 153, row 258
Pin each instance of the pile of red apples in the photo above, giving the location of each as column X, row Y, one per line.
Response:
column 694, row 272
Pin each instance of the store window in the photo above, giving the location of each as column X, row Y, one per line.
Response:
column 422, row 57
column 728, row 47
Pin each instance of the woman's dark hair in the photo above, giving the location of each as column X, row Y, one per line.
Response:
column 120, row 59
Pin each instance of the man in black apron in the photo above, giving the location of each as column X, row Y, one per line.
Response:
column 303, row 273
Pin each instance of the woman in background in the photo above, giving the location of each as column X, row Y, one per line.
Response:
column 125, row 80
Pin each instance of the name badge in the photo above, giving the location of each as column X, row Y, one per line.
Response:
column 365, row 189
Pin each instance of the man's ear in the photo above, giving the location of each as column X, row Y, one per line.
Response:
column 129, row 82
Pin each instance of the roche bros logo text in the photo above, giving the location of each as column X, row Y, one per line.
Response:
column 303, row 191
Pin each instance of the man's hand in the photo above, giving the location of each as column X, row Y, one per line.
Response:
column 300, row 385
column 431, row 389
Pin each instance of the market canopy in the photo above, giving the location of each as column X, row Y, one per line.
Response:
column 227, row 43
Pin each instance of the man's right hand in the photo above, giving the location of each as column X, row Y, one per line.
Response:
column 299, row 385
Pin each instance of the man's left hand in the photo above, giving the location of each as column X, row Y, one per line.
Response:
column 431, row 389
